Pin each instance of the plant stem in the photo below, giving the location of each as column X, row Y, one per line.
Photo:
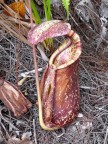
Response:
column 37, row 82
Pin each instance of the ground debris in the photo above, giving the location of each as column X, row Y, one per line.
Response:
column 90, row 20
column 14, row 140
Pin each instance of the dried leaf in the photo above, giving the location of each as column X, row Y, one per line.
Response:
column 14, row 140
column 17, row 7
column 12, row 97
column 26, row 135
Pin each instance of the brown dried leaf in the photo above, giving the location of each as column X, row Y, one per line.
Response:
column 12, row 97
column 14, row 140
column 17, row 7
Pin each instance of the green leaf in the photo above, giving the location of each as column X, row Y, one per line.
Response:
column 66, row 4
column 47, row 9
column 36, row 16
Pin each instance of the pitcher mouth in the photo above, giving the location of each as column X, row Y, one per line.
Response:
column 68, row 52
column 65, row 55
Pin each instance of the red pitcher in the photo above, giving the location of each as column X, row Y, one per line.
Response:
column 59, row 87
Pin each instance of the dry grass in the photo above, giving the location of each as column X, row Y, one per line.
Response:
column 91, row 127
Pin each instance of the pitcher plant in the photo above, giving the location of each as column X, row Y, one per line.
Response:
column 59, row 94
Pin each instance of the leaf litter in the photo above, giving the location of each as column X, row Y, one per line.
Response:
column 89, row 19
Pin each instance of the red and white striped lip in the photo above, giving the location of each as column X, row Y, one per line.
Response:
column 65, row 58
column 68, row 52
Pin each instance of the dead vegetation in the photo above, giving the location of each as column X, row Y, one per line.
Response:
column 89, row 18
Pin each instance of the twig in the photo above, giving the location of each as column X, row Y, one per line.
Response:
column 27, row 24
column 27, row 74
column 105, row 140
column 22, row 81
column 87, row 87
column 6, row 120
column 7, row 134
column 34, row 130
